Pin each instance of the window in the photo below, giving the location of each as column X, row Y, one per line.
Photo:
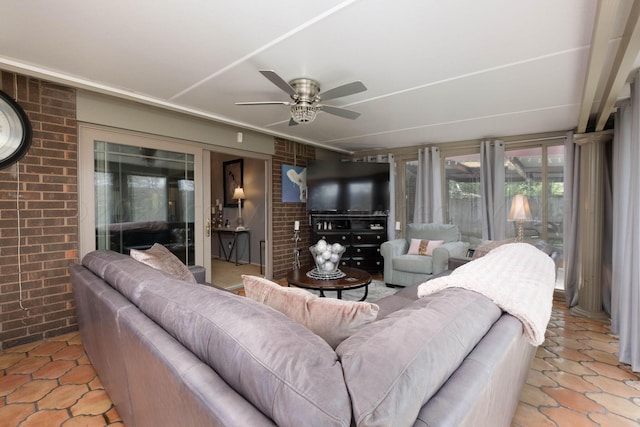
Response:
column 410, row 176
column 462, row 195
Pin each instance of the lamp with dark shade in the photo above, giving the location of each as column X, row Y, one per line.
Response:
column 238, row 194
column 520, row 212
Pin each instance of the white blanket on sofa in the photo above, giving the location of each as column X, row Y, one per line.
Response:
column 517, row 277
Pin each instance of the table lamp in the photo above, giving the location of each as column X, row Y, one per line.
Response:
column 239, row 195
column 520, row 212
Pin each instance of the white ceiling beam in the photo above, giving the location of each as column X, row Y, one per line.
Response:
column 625, row 57
column 602, row 30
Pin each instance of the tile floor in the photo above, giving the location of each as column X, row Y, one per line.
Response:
column 575, row 380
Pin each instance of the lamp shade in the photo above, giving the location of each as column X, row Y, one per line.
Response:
column 520, row 208
column 238, row 193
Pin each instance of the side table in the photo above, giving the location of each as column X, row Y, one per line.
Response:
column 235, row 235
column 455, row 262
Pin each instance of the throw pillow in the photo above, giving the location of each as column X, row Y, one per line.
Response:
column 332, row 319
column 423, row 247
column 160, row 258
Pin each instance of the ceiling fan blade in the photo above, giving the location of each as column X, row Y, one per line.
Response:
column 344, row 90
column 279, row 81
column 341, row 112
column 263, row 103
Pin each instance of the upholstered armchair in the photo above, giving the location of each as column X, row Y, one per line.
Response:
column 404, row 269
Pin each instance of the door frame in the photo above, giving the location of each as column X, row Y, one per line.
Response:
column 88, row 133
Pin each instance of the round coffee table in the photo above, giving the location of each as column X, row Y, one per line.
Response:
column 354, row 278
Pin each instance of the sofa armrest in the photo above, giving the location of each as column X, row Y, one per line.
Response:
column 388, row 250
column 442, row 253
column 198, row 272
column 392, row 248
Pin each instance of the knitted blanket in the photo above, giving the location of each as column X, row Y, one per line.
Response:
column 517, row 277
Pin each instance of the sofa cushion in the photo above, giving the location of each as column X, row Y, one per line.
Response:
column 286, row 371
column 161, row 258
column 423, row 247
column 393, row 366
column 332, row 319
column 413, row 264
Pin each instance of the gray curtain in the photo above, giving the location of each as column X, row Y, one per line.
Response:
column 428, row 198
column 571, row 237
column 391, row 218
column 494, row 213
column 625, row 298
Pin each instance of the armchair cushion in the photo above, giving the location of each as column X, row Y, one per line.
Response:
column 413, row 263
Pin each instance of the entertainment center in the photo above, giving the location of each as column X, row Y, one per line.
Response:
column 348, row 204
column 361, row 234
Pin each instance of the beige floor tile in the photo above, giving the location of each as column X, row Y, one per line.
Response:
column 54, row 369
column 573, row 400
column 618, row 405
column 576, row 368
column 609, row 371
column 572, row 382
column 79, row 375
column 43, row 418
column 612, row 420
column 32, row 391
column 529, row 416
column 12, row 415
column 564, row 417
column 63, row 396
column 92, row 403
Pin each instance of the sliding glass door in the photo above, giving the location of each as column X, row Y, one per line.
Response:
column 136, row 190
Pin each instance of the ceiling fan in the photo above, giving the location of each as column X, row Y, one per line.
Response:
column 306, row 97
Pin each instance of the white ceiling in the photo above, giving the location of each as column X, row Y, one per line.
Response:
column 436, row 71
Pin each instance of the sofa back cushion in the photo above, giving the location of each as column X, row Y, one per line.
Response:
column 425, row 231
column 124, row 273
column 285, row 370
column 393, row 366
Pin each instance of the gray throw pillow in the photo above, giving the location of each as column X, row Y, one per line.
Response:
column 160, row 258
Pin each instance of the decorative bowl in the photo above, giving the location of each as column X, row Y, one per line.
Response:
column 327, row 259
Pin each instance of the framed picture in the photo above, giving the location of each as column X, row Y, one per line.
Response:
column 232, row 172
column 294, row 184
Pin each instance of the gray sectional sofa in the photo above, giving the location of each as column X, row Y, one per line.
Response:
column 176, row 354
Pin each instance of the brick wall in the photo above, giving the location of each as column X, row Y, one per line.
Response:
column 284, row 214
column 48, row 210
column 48, row 214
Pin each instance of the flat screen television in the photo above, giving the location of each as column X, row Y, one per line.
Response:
column 347, row 187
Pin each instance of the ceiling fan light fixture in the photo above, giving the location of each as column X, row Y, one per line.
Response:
column 303, row 112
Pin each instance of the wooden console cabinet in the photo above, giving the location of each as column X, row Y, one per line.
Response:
column 361, row 234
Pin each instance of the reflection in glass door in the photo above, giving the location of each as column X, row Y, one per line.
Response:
column 144, row 196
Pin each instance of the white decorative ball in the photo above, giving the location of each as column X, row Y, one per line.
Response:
column 328, row 266
column 326, row 254
column 321, row 246
column 334, row 258
column 336, row 247
column 319, row 259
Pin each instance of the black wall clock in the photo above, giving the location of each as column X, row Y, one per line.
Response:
column 15, row 131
